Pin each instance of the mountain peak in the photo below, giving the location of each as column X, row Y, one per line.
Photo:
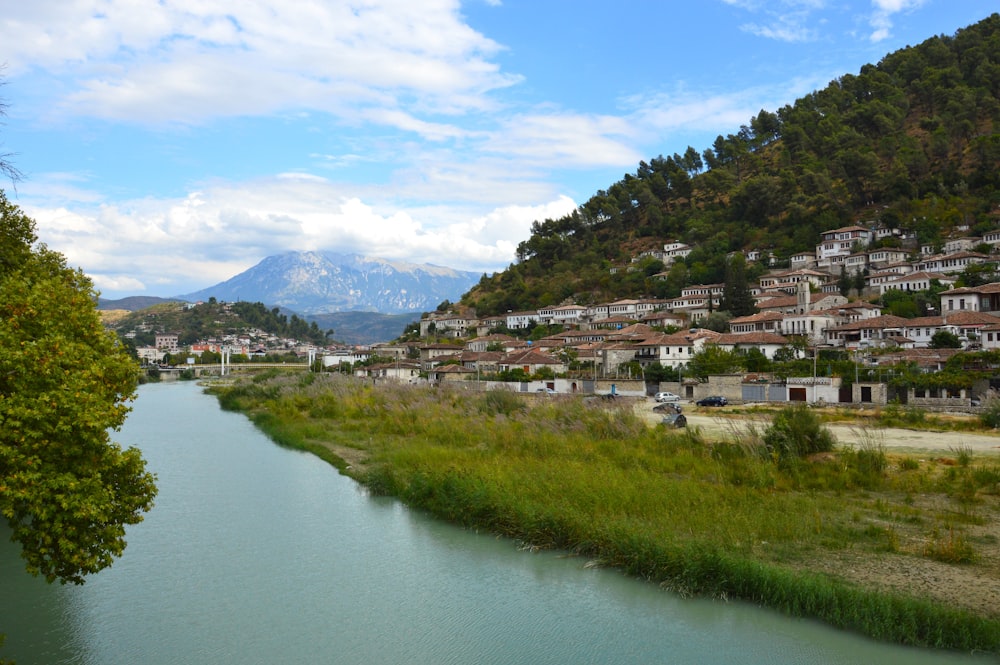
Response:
column 321, row 282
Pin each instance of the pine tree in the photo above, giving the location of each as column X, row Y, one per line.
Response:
column 736, row 296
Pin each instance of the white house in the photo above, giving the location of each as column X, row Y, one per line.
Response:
column 985, row 298
column 992, row 237
column 802, row 260
column 703, row 290
column 480, row 344
column 885, row 256
column 961, row 244
column 150, row 354
column 950, row 263
column 989, row 337
column 519, row 320
column 766, row 343
column 769, row 322
column 446, row 325
column 674, row 350
column 345, row 356
column 839, row 243
column 917, row 281
column 811, row 325
column 568, row 315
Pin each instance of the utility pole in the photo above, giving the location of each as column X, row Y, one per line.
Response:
column 815, row 353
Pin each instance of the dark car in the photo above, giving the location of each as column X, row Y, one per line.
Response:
column 677, row 420
column 668, row 407
column 713, row 400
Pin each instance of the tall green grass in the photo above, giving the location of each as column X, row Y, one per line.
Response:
column 720, row 519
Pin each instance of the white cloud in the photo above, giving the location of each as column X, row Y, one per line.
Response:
column 174, row 246
column 786, row 20
column 569, row 139
column 682, row 111
column 881, row 19
column 784, row 29
column 501, row 225
column 191, row 60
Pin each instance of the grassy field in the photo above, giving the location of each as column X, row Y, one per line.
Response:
column 726, row 519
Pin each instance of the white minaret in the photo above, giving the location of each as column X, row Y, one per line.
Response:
column 802, row 297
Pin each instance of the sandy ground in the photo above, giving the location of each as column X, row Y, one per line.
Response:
column 717, row 422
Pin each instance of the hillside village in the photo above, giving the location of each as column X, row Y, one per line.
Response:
column 800, row 309
column 801, row 312
column 209, row 329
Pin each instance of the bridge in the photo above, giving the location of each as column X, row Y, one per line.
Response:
column 225, row 369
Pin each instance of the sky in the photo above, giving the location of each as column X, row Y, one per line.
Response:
column 169, row 145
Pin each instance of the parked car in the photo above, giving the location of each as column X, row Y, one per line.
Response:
column 712, row 400
column 668, row 407
column 667, row 397
column 676, row 420
column 547, row 391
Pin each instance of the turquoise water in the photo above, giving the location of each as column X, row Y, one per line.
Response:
column 259, row 554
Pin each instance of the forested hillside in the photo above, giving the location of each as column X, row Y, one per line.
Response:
column 912, row 142
column 194, row 323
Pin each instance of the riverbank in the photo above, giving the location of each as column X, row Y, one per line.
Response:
column 696, row 516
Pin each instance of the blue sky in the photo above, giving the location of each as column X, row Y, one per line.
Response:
column 170, row 145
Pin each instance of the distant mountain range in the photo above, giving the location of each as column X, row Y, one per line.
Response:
column 312, row 283
column 363, row 299
column 132, row 303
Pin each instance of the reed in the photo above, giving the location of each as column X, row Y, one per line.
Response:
column 723, row 519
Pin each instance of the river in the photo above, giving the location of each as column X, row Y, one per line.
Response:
column 259, row 554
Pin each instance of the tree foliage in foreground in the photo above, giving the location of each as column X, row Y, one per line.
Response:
column 66, row 490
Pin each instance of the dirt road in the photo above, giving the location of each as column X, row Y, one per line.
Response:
column 718, row 423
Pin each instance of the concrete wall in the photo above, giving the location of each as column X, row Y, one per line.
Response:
column 621, row 387
column 956, row 400
column 879, row 393
column 729, row 386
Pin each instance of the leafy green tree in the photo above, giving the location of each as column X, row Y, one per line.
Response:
column 945, row 339
column 844, row 282
column 785, row 354
column 210, row 358
column 659, row 373
column 736, row 296
column 977, row 274
column 66, row 490
column 714, row 360
column 717, row 321
column 756, row 361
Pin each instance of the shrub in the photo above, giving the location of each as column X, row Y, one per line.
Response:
column 954, row 548
column 504, row 402
column 990, row 416
column 797, row 432
column 963, row 454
